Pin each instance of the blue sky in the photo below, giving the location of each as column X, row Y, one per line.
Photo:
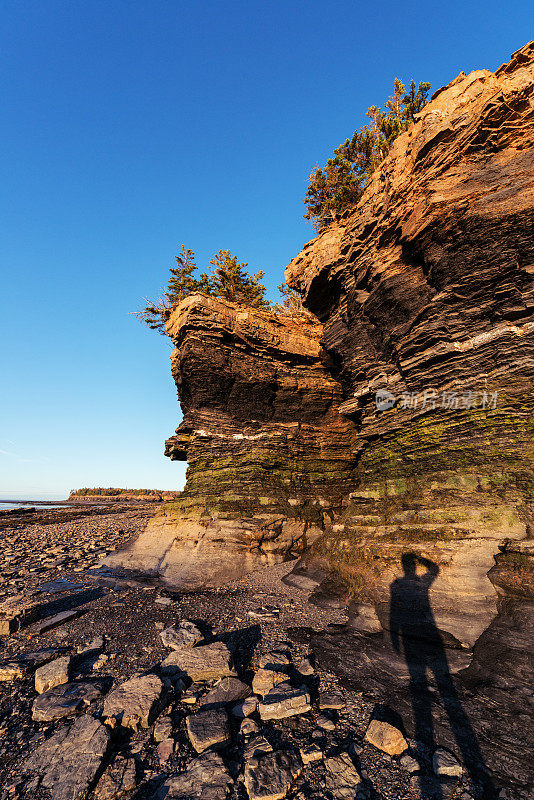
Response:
column 129, row 128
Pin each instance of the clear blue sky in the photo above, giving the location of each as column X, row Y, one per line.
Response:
column 129, row 128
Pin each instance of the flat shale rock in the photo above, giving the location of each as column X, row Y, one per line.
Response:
column 205, row 779
column 445, row 764
column 20, row 666
column 52, row 674
column 186, row 634
column 201, row 663
column 270, row 776
column 342, row 779
column 67, row 763
column 134, row 703
column 229, row 690
column 209, row 728
column 331, row 701
column 64, row 700
column 119, row 778
column 266, row 678
column 284, row 701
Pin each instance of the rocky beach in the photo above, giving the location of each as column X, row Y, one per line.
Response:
column 340, row 603
column 115, row 688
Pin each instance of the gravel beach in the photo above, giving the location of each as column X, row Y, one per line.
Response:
column 100, row 633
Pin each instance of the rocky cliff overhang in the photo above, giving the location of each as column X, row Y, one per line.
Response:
column 267, row 450
column 424, row 294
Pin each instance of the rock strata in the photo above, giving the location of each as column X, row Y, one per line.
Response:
column 397, row 417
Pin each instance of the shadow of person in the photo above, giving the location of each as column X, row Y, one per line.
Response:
column 414, row 631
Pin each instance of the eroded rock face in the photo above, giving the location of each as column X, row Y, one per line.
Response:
column 423, row 293
column 267, row 450
column 426, row 292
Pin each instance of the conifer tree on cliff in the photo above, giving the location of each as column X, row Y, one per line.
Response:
column 227, row 278
column 341, row 182
column 231, row 281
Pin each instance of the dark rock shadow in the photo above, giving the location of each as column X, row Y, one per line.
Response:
column 241, row 644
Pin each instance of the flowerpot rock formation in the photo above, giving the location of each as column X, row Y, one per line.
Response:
column 398, row 417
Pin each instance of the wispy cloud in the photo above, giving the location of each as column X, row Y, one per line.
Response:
column 21, row 459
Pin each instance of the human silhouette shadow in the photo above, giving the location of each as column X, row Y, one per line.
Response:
column 414, row 631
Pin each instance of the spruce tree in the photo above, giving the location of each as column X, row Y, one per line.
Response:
column 230, row 281
column 341, row 182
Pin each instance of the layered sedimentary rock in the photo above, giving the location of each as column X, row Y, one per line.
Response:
column 268, row 451
column 424, row 294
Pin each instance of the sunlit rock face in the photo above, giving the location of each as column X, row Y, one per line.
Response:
column 424, row 294
column 268, row 452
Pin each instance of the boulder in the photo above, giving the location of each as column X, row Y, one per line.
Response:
column 135, row 703
column 200, row 663
column 208, row 729
column 386, row 737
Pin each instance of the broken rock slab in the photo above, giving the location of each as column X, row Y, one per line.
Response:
column 270, row 776
column 208, row 729
column 205, row 779
column 20, row 666
column 135, row 703
column 52, row 674
column 18, row 610
column 245, row 708
column 202, row 663
column 229, row 690
column 284, row 701
column 186, row 634
column 266, row 678
column 66, row 764
column 65, row 699
column 445, row 764
column 119, row 778
column 386, row 737
column 342, row 779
